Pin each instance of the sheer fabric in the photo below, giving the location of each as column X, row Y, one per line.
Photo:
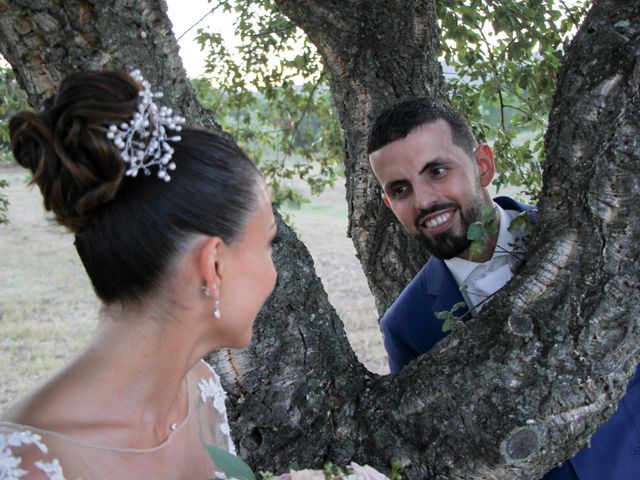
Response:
column 29, row 452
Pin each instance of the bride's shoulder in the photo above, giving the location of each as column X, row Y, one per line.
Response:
column 212, row 396
column 202, row 372
column 24, row 455
column 208, row 384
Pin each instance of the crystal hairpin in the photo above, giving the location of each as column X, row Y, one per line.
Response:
column 144, row 140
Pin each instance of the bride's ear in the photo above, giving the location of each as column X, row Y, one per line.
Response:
column 211, row 262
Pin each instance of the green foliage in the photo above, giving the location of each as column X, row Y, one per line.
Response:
column 272, row 94
column 396, row 470
column 279, row 111
column 449, row 317
column 4, row 203
column 506, row 55
column 524, row 224
column 12, row 99
column 232, row 466
column 479, row 231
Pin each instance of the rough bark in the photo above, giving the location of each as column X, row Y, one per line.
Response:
column 46, row 41
column 506, row 396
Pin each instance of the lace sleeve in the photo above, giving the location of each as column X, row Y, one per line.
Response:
column 23, row 455
column 211, row 388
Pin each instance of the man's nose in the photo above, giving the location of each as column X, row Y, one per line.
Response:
column 425, row 197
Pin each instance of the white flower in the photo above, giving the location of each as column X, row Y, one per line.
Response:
column 365, row 473
column 208, row 389
column 302, row 475
column 211, row 388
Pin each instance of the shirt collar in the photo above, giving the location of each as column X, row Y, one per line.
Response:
column 461, row 268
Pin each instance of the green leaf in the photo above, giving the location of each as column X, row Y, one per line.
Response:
column 488, row 215
column 444, row 315
column 476, row 231
column 458, row 306
column 521, row 222
column 476, row 249
column 232, row 466
column 448, row 324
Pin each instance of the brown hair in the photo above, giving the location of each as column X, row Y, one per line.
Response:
column 128, row 229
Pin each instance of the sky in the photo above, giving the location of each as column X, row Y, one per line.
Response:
column 183, row 17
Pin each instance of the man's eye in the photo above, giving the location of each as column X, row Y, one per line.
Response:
column 399, row 190
column 438, row 171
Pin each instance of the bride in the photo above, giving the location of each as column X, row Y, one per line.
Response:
column 174, row 228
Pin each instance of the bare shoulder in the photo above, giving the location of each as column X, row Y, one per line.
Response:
column 39, row 408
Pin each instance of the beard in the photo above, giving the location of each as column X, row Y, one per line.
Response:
column 453, row 242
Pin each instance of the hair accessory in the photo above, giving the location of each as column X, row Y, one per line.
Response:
column 144, row 140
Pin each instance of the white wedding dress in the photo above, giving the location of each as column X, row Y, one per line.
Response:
column 29, row 452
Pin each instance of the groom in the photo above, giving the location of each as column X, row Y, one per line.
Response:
column 435, row 179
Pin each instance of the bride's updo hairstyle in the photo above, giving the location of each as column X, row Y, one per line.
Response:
column 128, row 229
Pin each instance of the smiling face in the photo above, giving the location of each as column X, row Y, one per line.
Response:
column 434, row 187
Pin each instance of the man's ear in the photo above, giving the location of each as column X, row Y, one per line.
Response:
column 211, row 262
column 483, row 156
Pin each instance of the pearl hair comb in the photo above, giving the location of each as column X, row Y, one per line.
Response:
column 144, row 140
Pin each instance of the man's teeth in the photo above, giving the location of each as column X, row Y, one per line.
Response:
column 439, row 220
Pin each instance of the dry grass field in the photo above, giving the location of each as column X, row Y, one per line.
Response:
column 48, row 310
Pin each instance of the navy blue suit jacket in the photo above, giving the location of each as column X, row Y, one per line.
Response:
column 410, row 329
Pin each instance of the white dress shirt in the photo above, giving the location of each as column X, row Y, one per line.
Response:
column 482, row 280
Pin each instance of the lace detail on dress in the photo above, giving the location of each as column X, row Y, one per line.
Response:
column 212, row 388
column 10, row 464
column 52, row 470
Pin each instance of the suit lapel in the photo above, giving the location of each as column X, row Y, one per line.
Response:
column 442, row 287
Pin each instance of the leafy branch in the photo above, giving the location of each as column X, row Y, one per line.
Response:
column 521, row 225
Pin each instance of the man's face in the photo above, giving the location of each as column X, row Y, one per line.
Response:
column 434, row 188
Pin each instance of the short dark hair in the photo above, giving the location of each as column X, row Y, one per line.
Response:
column 402, row 118
column 128, row 230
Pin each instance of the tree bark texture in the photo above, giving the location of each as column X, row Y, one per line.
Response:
column 505, row 396
column 46, row 41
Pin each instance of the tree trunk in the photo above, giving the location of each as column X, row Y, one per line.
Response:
column 376, row 53
column 509, row 394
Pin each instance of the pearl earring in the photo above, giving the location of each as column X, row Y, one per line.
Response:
column 216, row 305
column 216, row 301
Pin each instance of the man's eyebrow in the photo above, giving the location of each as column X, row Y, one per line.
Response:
column 434, row 161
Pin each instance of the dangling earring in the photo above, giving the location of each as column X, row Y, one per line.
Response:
column 216, row 305
column 216, row 301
